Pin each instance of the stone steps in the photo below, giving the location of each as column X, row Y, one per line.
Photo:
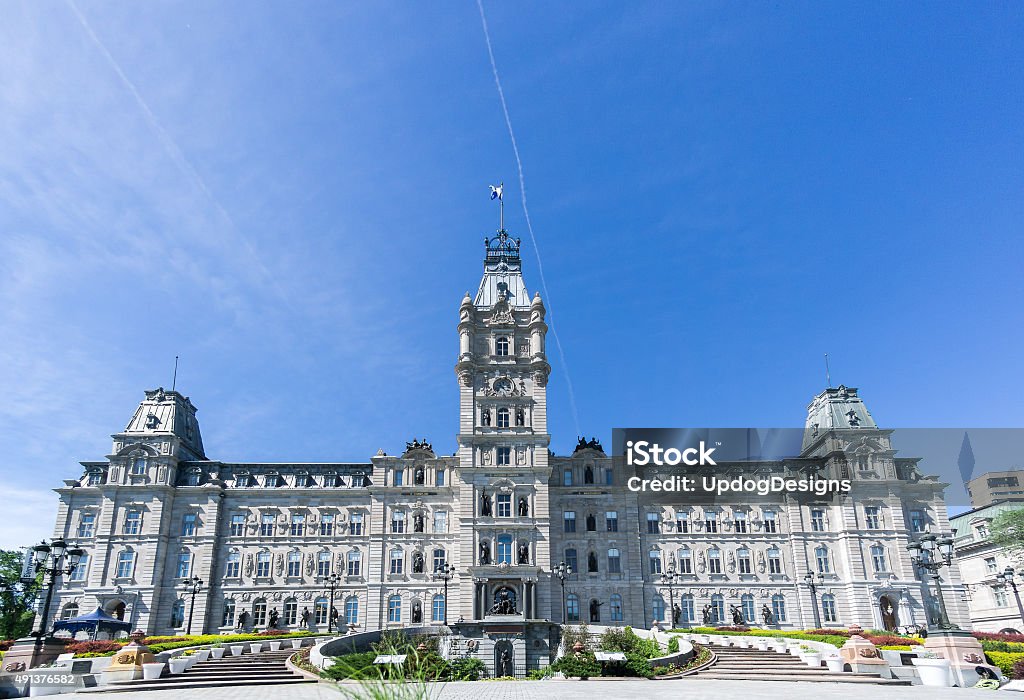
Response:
column 734, row 663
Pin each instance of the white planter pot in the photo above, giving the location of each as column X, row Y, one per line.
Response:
column 178, row 665
column 933, row 672
column 237, row 649
column 255, row 647
column 191, row 658
column 296, row 644
column 275, row 646
column 835, row 664
column 218, row 653
column 762, row 646
column 780, row 648
column 813, row 659
column 152, row 671
column 202, row 655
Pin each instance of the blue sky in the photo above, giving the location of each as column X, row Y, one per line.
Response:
column 293, row 200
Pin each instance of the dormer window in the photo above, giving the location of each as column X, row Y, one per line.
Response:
column 501, row 347
column 138, row 466
column 193, row 478
column 95, row 477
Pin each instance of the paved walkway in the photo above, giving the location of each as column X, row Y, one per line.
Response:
column 583, row 690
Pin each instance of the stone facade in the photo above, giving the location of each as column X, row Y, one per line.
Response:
column 502, row 510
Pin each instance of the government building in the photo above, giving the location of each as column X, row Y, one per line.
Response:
column 504, row 511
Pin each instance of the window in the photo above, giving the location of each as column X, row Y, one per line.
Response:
column 133, row 522
column 569, row 520
column 503, row 417
column 298, row 526
column 821, row 557
column 125, row 564
column 609, row 477
column 398, row 478
column 718, row 607
column 355, row 561
column 294, row 564
column 999, row 596
column 747, row 606
column 710, row 521
column 87, row 525
column 80, row 572
column 233, row 565
column 501, row 347
column 779, row 607
column 614, row 562
column 320, row 612
column 653, row 523
column 504, row 456
column 572, row 608
column 95, row 478
column 263, row 565
column 138, row 466
column 685, row 561
column 774, row 561
column 990, row 565
column 395, row 608
column 228, row 617
column 504, row 502
column 714, row 561
column 188, row 525
column 327, row 525
column 352, row 610
column 740, row 522
column 398, row 521
column 291, row 612
column 504, row 549
column 178, row 613
column 982, row 530
column 658, row 608
column 817, row 520
column 439, row 477
column 654, row 559
column 237, row 525
column 567, row 477
column 323, row 564
column 616, row 607
column 397, row 561
column 917, row 523
column 571, row 559
column 828, row 608
column 356, row 523
column 686, row 608
column 437, row 608
column 682, row 522
column 1002, row 481
column 770, row 525
column 192, row 479
column 743, row 560
column 878, row 558
column 871, row 517
column 440, row 559
column 611, row 521
column 266, row 525
column 184, row 564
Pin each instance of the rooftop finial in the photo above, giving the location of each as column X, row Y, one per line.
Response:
column 828, row 375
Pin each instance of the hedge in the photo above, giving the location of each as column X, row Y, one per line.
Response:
column 91, row 649
column 834, row 637
column 1006, row 661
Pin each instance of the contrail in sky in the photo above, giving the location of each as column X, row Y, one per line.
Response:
column 526, row 212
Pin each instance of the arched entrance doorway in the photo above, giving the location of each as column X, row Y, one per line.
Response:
column 115, row 608
column 890, row 616
column 504, row 660
column 504, row 601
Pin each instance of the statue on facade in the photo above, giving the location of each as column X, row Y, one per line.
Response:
column 419, row 476
column 504, row 603
column 305, row 617
column 706, row 613
column 524, row 507
column 505, row 665
column 737, row 614
column 417, row 613
column 485, row 505
column 595, row 611
column 524, row 553
column 485, row 417
column 591, row 563
column 485, row 553
column 520, row 417
column 417, row 563
column 243, row 620
column 766, row 614
column 274, row 616
column 591, row 444
column 417, row 522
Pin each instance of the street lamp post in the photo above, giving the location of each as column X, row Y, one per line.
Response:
column 563, row 571
column 333, row 583
column 445, row 572
column 53, row 560
column 813, row 582
column 669, row 579
column 192, row 586
column 1006, row 577
column 930, row 554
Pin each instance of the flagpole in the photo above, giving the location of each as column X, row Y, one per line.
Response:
column 501, row 207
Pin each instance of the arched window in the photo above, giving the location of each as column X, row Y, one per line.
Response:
column 714, row 561
column 658, row 608
column 70, row 610
column 878, row 558
column 259, row 612
column 747, row 605
column 501, row 347
column 178, row 613
column 616, row 607
column 395, row 608
column 320, row 612
column 743, row 560
column 718, row 607
column 291, row 611
column 504, row 549
column 822, row 560
column 138, row 466
column 352, row 610
column 437, row 608
column 774, row 560
column 828, row 608
column 503, row 418
column 686, row 607
column 228, row 618
column 572, row 608
column 779, row 607
column 685, row 560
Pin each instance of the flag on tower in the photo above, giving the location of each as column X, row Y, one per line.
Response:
column 496, row 192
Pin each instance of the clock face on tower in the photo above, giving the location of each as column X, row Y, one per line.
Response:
column 503, row 387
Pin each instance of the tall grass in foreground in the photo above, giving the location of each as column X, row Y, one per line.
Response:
column 395, row 684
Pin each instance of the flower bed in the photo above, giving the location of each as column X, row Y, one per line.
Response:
column 829, row 636
column 90, row 649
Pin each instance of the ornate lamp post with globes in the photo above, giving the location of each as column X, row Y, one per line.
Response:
column 562, row 571
column 332, row 583
column 445, row 572
column 813, row 582
column 930, row 553
column 669, row 578
column 1005, row 577
column 192, row 586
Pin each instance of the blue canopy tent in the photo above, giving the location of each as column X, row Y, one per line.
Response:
column 93, row 622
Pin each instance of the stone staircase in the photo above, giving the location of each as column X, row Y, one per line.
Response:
column 735, row 663
column 262, row 668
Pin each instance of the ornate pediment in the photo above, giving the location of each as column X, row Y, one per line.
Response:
column 506, row 386
column 501, row 313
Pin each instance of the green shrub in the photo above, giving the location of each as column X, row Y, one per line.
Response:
column 539, row 674
column 358, row 666
column 995, row 645
column 1005, row 661
column 467, row 669
column 582, row 665
column 626, row 640
column 673, row 645
column 571, row 635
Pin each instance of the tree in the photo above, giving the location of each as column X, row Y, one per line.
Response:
column 1007, row 533
column 17, row 599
